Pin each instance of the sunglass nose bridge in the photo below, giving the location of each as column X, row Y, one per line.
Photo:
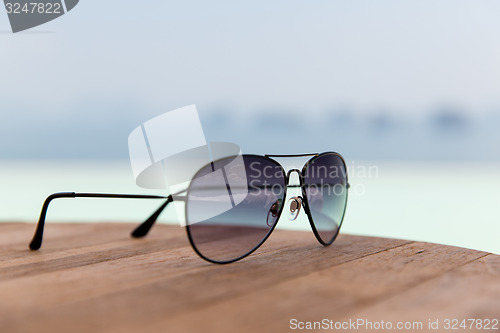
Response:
column 295, row 206
column 289, row 173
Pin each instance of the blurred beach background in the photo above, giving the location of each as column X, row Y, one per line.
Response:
column 407, row 92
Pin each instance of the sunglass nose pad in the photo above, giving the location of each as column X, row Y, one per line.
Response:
column 295, row 206
column 272, row 214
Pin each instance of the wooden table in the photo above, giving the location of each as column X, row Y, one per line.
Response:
column 95, row 278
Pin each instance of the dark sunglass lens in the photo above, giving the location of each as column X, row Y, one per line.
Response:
column 325, row 182
column 232, row 206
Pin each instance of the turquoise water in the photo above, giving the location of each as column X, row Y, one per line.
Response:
column 449, row 203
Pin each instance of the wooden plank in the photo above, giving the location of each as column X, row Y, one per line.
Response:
column 335, row 292
column 471, row 291
column 93, row 277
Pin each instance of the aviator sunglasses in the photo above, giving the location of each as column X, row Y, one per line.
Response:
column 233, row 204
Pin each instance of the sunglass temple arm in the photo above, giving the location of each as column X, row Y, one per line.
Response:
column 36, row 242
column 143, row 229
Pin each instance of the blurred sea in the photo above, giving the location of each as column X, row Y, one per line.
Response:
column 454, row 203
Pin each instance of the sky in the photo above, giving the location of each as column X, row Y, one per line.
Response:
column 78, row 85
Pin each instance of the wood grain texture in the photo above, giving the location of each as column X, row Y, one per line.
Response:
column 95, row 278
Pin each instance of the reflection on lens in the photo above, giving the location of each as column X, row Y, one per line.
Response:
column 325, row 184
column 232, row 205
